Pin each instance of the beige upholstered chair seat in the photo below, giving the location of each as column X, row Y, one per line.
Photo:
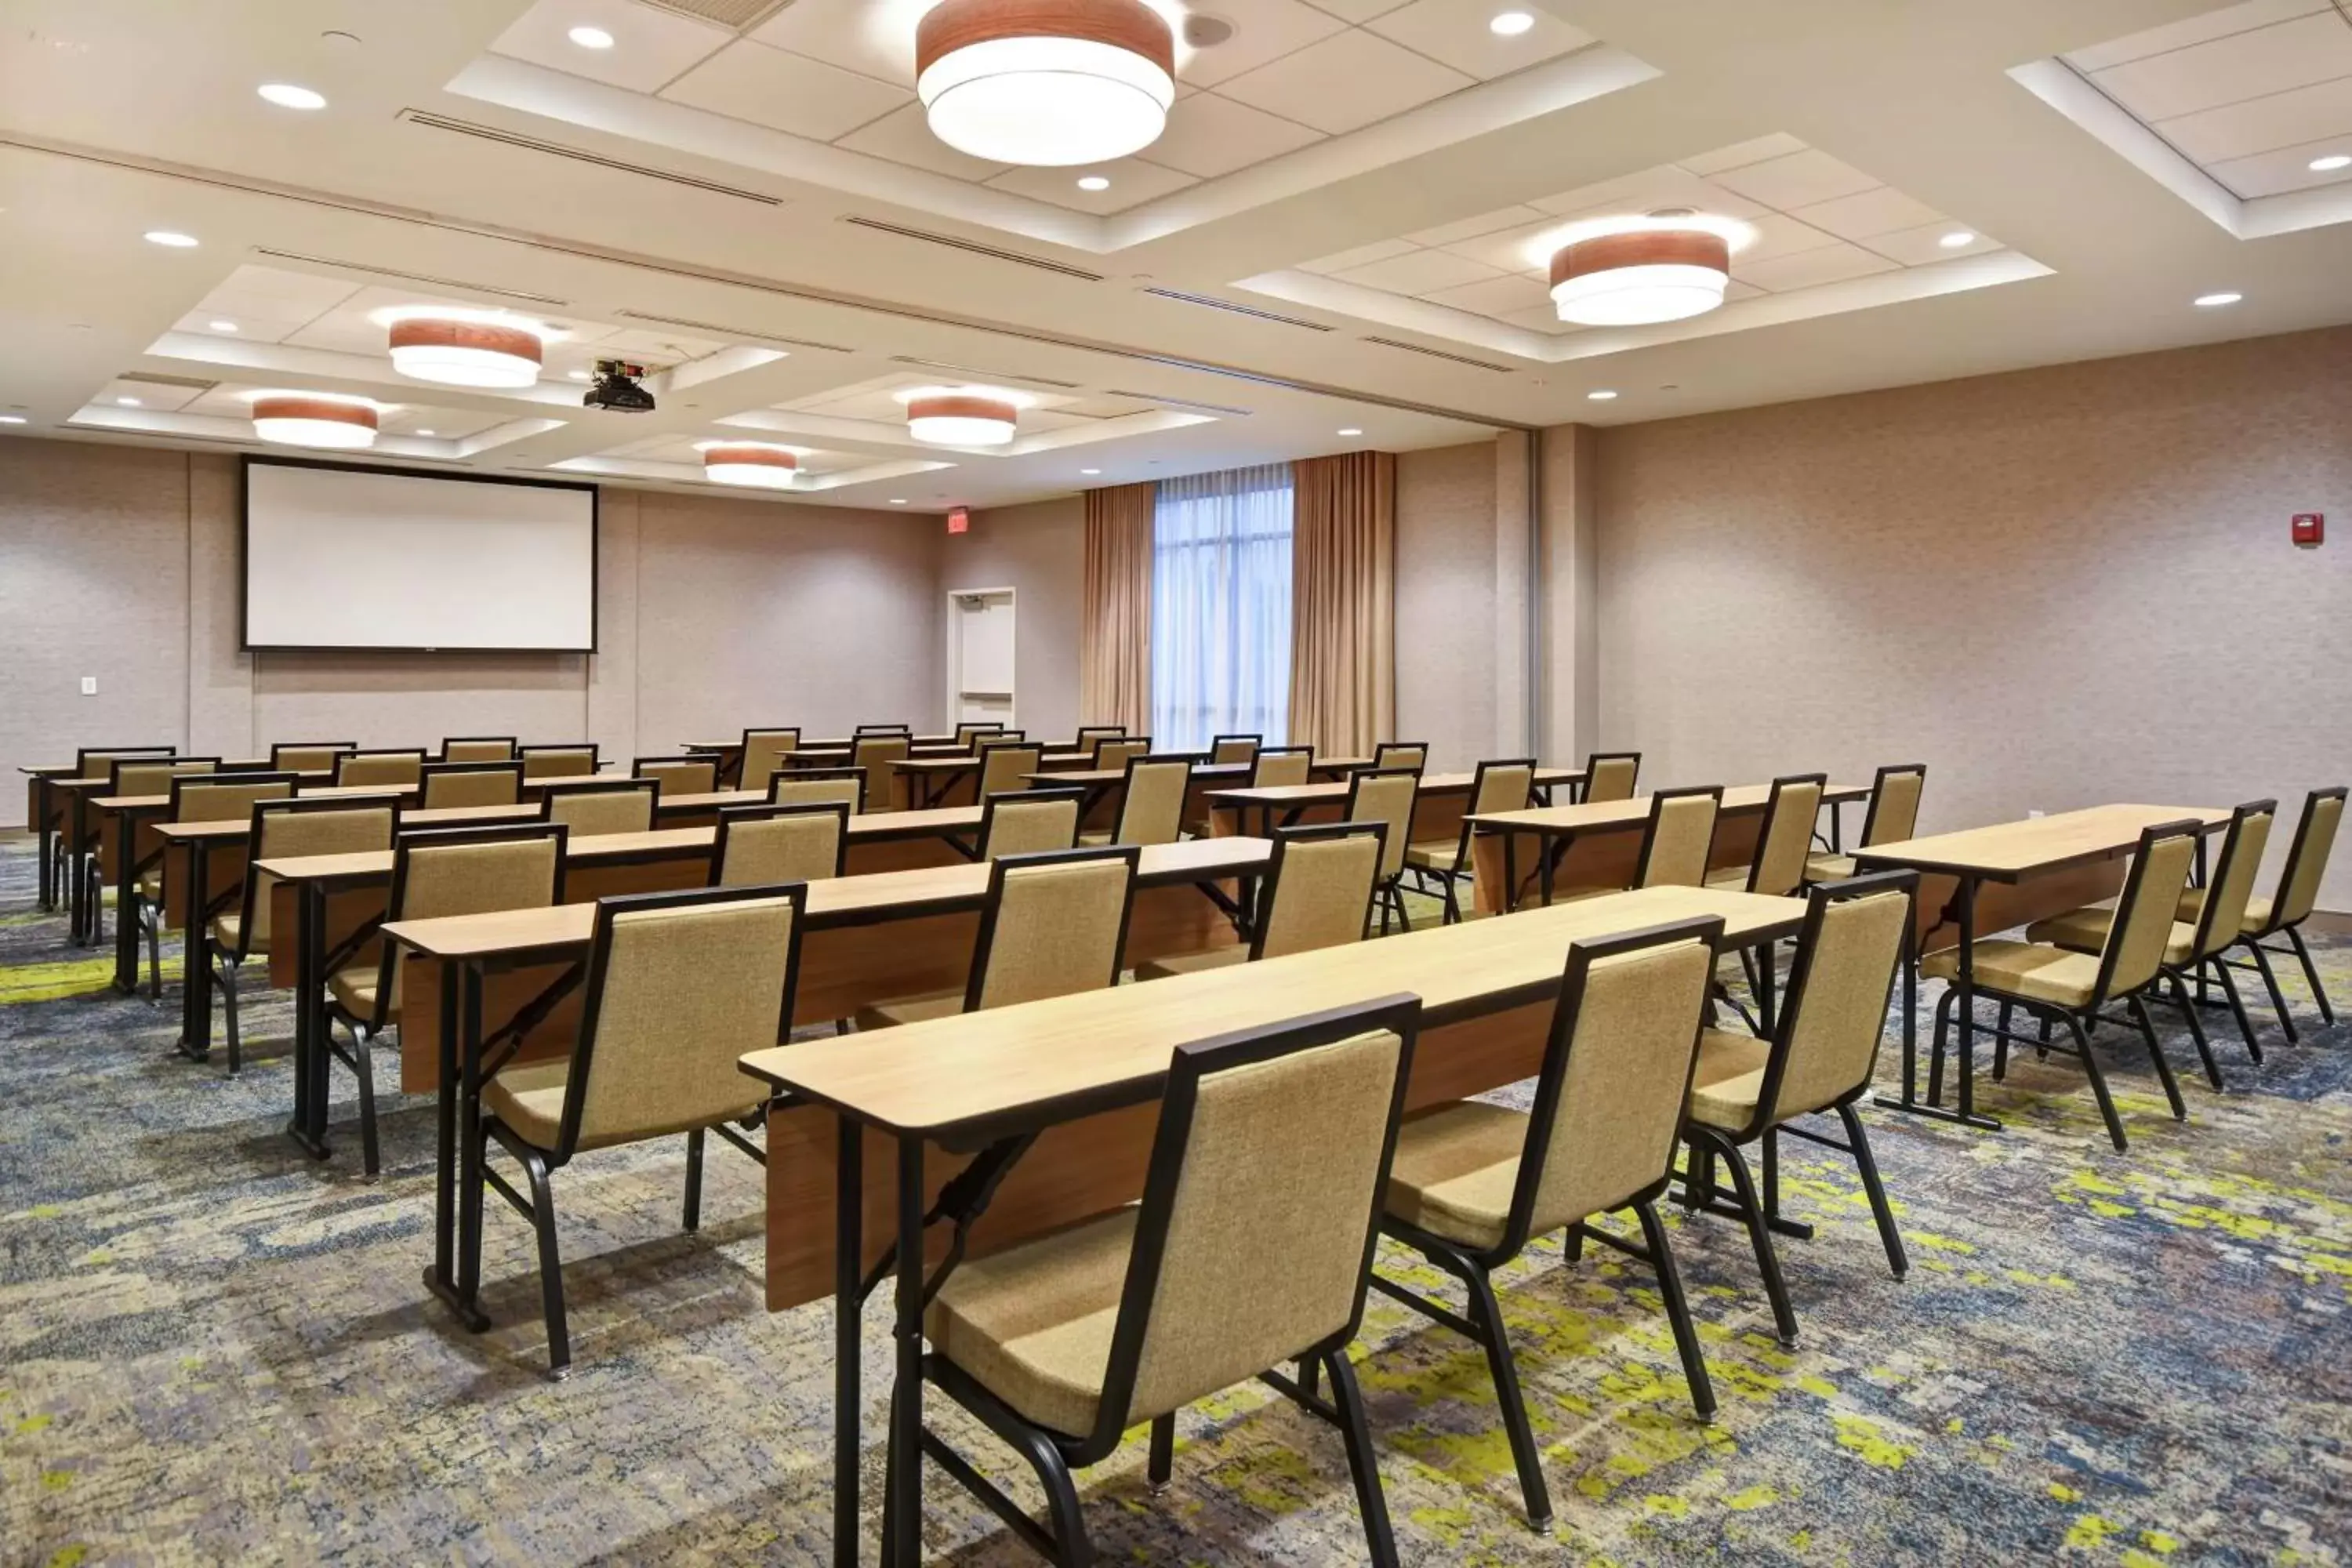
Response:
column 1434, row 854
column 528, row 1098
column 2192, row 908
column 355, row 989
column 1032, row 1324
column 151, row 885
column 1729, row 1080
column 1192, row 963
column 1829, row 867
column 1097, row 840
column 911, row 1009
column 229, row 928
column 2023, row 969
column 1734, row 880
column 1456, row 1167
column 2085, row 930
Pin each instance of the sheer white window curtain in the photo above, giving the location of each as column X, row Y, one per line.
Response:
column 1220, row 606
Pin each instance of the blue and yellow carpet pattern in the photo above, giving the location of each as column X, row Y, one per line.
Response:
column 214, row 1351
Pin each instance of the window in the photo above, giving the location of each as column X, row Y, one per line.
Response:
column 1220, row 606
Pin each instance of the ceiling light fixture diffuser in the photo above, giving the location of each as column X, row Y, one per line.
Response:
column 591, row 37
column 2331, row 162
column 1510, row 24
column 466, row 348
column 286, row 95
column 1045, row 83
column 753, row 463
column 962, row 415
column 1638, row 272
column 315, row 419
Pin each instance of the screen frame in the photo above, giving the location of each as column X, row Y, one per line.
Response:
column 245, row 642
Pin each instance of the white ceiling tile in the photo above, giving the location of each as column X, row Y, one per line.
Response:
column 2244, row 65
column 1472, row 227
column 1492, row 296
column 1358, row 11
column 2198, row 29
column 1663, row 186
column 786, row 92
column 1880, row 211
column 1797, row 180
column 875, row 40
column 1543, row 319
column 1778, row 234
column 1362, row 255
column 1508, row 249
column 1735, row 291
column 274, row 294
column 1132, row 180
column 1918, row 246
column 1420, row 272
column 1455, row 33
column 1209, row 134
column 649, row 47
column 2281, row 169
column 1264, row 31
column 1806, row 270
column 1349, row 80
column 151, row 395
column 1779, row 144
column 2276, row 120
column 904, row 136
column 250, row 328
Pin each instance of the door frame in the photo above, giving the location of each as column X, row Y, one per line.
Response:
column 954, row 650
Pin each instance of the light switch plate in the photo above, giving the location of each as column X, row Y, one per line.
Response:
column 90, row 686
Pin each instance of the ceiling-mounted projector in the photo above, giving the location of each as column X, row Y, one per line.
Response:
column 619, row 388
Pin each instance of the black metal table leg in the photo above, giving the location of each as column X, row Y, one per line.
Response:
column 1911, row 1103
column 126, row 925
column 441, row 1279
column 197, row 961
column 469, row 1150
column 1508, row 895
column 309, row 1126
column 78, row 920
column 902, row 1527
column 848, row 1267
column 46, row 836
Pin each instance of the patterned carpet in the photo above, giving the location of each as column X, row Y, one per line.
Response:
column 213, row 1351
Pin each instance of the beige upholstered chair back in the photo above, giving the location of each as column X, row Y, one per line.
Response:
column 558, row 762
column 228, row 800
column 1391, row 754
column 595, row 812
column 101, row 765
column 1682, row 828
column 1264, row 1249
column 966, row 736
column 1621, row 1091
column 1839, row 1010
column 1058, row 930
column 1323, row 894
column 1611, row 778
column 320, row 758
column 1003, row 769
column 1279, row 770
column 286, row 835
column 1788, row 836
column 799, row 846
column 2223, row 917
column 1112, row 754
column 1234, row 749
column 397, row 770
column 2143, row 925
column 1505, row 786
column 1895, row 813
column 764, row 751
column 875, row 754
column 681, row 775
column 2300, row 892
column 1386, row 798
column 145, row 778
column 474, row 786
column 794, row 789
column 1153, row 809
column 478, row 750
column 685, row 993
column 1017, row 826
column 471, row 879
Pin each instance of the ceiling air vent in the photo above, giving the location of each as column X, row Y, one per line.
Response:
column 738, row 335
column 735, row 14
column 558, row 150
column 148, row 378
column 1440, row 353
column 989, row 376
column 1214, row 304
column 1181, row 402
column 974, row 247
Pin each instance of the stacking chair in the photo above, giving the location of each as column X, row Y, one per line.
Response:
column 882, row 729
column 1092, row 735
column 2283, row 913
column 439, row 872
column 1438, row 865
column 760, row 844
column 1819, row 1057
column 1236, row 748
column 195, row 798
column 1267, row 1169
column 282, row 830
column 873, row 756
column 765, row 753
column 1610, row 775
column 1894, row 816
column 564, row 762
column 1029, row 821
column 966, row 736
column 594, row 808
column 1680, row 832
column 2070, row 988
column 389, row 770
column 1113, row 751
column 448, row 785
column 89, row 762
column 678, row 776
column 1782, row 847
column 679, row 985
column 1318, row 893
column 1151, row 805
column 1390, row 754
column 1053, row 923
column 1005, row 766
column 130, row 776
column 1279, row 766
column 1387, row 795
column 1473, row 1183
column 2208, row 921
column 816, row 786
column 478, row 749
column 307, row 757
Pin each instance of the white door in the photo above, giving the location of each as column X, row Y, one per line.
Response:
column 979, row 656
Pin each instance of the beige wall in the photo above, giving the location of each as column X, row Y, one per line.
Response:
column 1039, row 551
column 1446, row 601
column 2055, row 587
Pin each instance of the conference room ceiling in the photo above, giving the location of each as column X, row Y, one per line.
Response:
column 1334, row 234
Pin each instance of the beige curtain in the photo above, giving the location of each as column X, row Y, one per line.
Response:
column 1115, row 624
column 1343, row 603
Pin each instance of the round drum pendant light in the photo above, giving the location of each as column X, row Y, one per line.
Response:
column 1045, row 83
column 752, row 463
column 315, row 419
column 947, row 416
column 1636, row 271
column 466, row 349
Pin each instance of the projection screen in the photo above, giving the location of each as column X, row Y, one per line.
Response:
column 366, row 558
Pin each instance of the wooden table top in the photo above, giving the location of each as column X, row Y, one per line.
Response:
column 439, row 816
column 1078, row 778
column 978, row 1068
column 831, row 743
column 1609, row 813
column 661, row 844
column 2008, row 851
column 136, row 803
column 1337, row 790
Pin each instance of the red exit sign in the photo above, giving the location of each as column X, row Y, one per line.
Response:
column 959, row 520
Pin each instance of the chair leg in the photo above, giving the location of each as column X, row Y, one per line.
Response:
column 2156, row 1054
column 2187, row 1005
column 1162, row 1461
column 550, row 1266
column 155, row 954
column 1363, row 1463
column 1935, row 1055
column 2311, row 974
column 2237, row 1011
column 2001, row 1044
column 2098, row 1082
column 1670, row 1290
column 230, row 1026
column 1759, row 1235
column 2270, row 983
column 363, row 1068
column 1876, row 1190
column 1504, row 1367
column 1453, row 899
column 694, row 1181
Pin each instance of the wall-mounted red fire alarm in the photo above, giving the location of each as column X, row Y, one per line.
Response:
column 2310, row 529
column 959, row 520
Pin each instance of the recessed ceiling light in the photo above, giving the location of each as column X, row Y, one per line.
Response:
column 286, row 95
column 1603, row 396
column 2330, row 164
column 1956, row 238
column 591, row 37
column 579, row 375
column 1510, row 24
column 1093, row 183
column 1090, row 471
column 2210, row 301
column 128, row 402
column 425, row 432
column 11, row 419
column 1351, row 430
column 177, row 241
column 898, row 500
column 222, row 326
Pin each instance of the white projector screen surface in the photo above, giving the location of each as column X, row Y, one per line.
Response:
column 349, row 558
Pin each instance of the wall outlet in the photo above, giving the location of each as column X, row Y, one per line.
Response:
column 2033, row 811
column 90, row 686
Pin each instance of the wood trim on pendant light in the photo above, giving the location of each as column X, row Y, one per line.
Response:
column 1641, row 247
column 749, row 457
column 961, row 405
column 333, row 410
column 442, row 333
column 1127, row 24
